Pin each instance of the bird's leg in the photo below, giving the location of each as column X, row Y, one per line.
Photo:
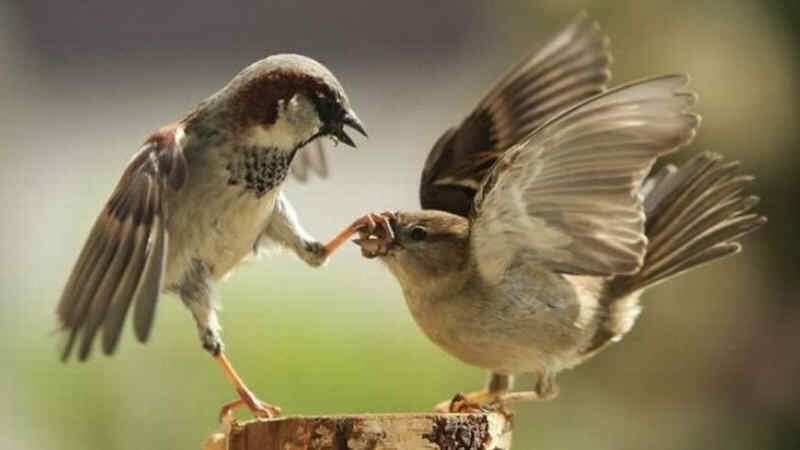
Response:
column 544, row 389
column 285, row 229
column 498, row 393
column 246, row 397
column 199, row 296
column 488, row 398
column 213, row 344
column 366, row 225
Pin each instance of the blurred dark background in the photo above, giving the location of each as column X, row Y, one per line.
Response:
column 712, row 363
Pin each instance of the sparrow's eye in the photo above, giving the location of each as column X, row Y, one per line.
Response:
column 418, row 234
column 327, row 108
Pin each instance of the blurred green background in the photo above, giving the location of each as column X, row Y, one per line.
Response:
column 712, row 363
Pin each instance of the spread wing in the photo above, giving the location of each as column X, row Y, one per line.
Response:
column 568, row 196
column 123, row 259
column 310, row 159
column 571, row 67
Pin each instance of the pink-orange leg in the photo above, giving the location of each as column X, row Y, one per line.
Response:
column 367, row 223
column 246, row 397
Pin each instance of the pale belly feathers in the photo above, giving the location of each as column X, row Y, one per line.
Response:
column 479, row 328
column 217, row 224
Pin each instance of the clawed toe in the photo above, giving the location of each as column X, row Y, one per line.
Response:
column 256, row 407
column 474, row 402
column 376, row 224
column 460, row 403
column 376, row 233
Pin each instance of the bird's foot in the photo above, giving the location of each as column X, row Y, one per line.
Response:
column 246, row 397
column 475, row 402
column 366, row 226
column 376, row 235
column 256, row 406
column 466, row 403
column 377, row 224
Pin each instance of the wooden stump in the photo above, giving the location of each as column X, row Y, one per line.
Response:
column 479, row 431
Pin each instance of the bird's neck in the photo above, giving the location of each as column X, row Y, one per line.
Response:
column 258, row 169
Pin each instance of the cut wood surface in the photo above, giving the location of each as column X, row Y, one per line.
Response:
column 478, row 431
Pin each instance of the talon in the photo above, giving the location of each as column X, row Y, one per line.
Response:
column 386, row 227
column 227, row 409
column 448, row 406
column 461, row 404
column 370, row 218
column 480, row 401
column 364, row 226
column 256, row 406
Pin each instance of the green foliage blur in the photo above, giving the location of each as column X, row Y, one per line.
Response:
column 712, row 363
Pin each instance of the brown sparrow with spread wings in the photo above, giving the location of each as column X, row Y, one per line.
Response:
column 539, row 231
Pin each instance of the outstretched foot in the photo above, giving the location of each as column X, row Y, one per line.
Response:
column 256, row 406
column 365, row 225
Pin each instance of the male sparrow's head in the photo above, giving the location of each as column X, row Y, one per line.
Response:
column 286, row 101
column 420, row 245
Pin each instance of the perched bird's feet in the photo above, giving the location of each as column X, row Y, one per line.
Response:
column 475, row 402
column 246, row 397
column 256, row 406
column 467, row 403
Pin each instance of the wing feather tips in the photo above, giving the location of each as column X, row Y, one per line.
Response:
column 147, row 291
column 571, row 66
column 86, row 289
column 105, row 290
column 70, row 297
column 120, row 302
column 125, row 254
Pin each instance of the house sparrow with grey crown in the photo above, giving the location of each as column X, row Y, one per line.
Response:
column 200, row 196
column 539, row 232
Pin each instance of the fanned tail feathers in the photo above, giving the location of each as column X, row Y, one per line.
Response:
column 694, row 214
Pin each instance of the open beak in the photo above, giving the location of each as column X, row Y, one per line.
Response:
column 351, row 120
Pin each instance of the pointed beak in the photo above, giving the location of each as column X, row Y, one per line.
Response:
column 351, row 120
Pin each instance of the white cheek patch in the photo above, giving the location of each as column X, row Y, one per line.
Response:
column 297, row 122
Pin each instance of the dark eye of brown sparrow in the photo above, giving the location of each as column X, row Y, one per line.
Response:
column 418, row 233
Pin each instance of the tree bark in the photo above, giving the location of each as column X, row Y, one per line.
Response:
column 478, row 431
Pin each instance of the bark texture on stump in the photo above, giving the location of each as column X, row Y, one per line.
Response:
column 479, row 431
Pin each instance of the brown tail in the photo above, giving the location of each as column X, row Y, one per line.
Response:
column 694, row 215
